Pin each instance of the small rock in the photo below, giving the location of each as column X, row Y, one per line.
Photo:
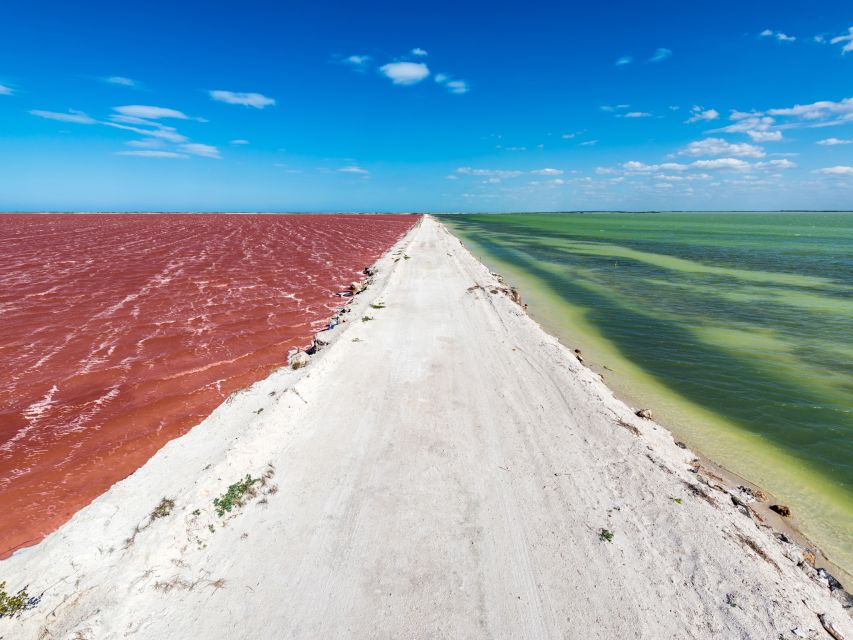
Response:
column 578, row 355
column 644, row 413
column 370, row 271
column 781, row 509
column 356, row 287
column 680, row 444
column 298, row 360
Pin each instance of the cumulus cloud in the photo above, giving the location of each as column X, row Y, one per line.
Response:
column 838, row 170
column 353, row 169
column 660, row 55
column 781, row 37
column 756, row 125
column 203, row 150
column 848, row 39
column 700, row 114
column 146, row 112
column 405, row 73
column 764, row 136
column 830, row 142
column 417, row 51
column 250, row 99
column 77, row 117
column 5, row 91
column 624, row 60
column 149, row 153
column 720, row 147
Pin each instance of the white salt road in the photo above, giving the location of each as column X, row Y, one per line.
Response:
column 442, row 471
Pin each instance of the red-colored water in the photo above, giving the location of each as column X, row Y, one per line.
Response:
column 120, row 332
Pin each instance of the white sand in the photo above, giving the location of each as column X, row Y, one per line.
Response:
column 442, row 472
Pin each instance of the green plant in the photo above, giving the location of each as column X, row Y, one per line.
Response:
column 377, row 305
column 12, row 605
column 407, row 257
column 605, row 535
column 235, row 496
column 197, row 512
column 677, row 500
column 163, row 509
column 366, row 318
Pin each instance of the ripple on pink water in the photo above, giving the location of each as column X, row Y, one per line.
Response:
column 123, row 331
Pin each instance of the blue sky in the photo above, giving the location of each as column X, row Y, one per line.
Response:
column 440, row 106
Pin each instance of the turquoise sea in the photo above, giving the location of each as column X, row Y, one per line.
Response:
column 735, row 328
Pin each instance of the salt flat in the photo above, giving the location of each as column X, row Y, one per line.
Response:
column 446, row 469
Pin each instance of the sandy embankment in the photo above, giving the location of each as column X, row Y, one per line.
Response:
column 444, row 470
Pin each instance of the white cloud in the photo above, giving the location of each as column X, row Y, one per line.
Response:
column 836, row 112
column 569, row 136
column 121, row 80
column 358, row 62
column 734, row 164
column 148, row 143
column 834, row 141
column 547, row 172
column 624, row 60
column 203, row 150
column 756, row 125
column 5, row 91
column 353, row 169
column 457, row 86
column 699, row 114
column 250, row 99
column 820, row 39
column 588, row 143
column 454, row 86
column 720, row 147
column 151, row 154
column 239, row 141
column 149, row 113
column 405, row 73
column 776, row 164
column 781, row 37
column 489, row 173
column 417, row 51
column 170, row 134
column 764, row 136
column 848, row 38
column 839, row 170
column 660, row 55
column 77, row 117
column 636, row 114
column 616, row 107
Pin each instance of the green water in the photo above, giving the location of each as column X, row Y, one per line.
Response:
column 735, row 328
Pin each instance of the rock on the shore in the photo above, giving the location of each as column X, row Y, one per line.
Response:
column 356, row 287
column 298, row 360
column 644, row 413
column 781, row 509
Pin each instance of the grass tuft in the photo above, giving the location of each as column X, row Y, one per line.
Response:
column 235, row 496
column 605, row 535
column 11, row 606
column 163, row 509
